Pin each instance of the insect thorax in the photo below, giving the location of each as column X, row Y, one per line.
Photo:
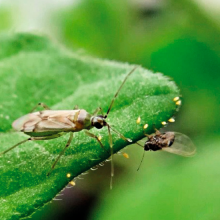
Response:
column 152, row 145
column 159, row 141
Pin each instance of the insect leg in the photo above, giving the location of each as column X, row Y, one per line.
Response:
column 42, row 105
column 111, row 148
column 99, row 109
column 31, row 139
column 94, row 136
column 157, row 132
column 147, row 135
column 21, row 142
column 61, row 153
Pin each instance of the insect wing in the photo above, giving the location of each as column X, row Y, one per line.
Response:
column 30, row 119
column 48, row 120
column 182, row 145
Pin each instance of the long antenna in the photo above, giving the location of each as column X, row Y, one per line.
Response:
column 116, row 94
column 121, row 135
column 141, row 161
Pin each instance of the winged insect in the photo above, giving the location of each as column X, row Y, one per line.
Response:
column 172, row 142
column 50, row 124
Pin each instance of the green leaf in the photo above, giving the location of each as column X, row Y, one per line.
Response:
column 33, row 70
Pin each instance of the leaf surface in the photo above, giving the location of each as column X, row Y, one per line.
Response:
column 33, row 70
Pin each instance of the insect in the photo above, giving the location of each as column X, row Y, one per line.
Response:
column 50, row 124
column 172, row 142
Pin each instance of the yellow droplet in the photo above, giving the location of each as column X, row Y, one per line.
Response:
column 72, row 183
column 125, row 155
column 138, row 120
column 99, row 138
column 171, row 120
column 163, row 123
column 145, row 126
column 178, row 102
column 176, row 99
column 68, row 175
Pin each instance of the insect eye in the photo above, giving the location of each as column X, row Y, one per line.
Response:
column 98, row 125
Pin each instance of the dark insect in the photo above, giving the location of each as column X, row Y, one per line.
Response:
column 172, row 142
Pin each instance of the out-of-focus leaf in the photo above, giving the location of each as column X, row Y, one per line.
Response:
column 167, row 188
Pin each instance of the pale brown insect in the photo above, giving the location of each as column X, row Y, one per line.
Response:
column 172, row 142
column 50, row 124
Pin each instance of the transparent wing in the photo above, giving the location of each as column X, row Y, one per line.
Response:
column 182, row 145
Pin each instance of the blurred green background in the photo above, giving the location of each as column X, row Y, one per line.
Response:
column 181, row 39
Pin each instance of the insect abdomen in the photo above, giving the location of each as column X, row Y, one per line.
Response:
column 53, row 121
